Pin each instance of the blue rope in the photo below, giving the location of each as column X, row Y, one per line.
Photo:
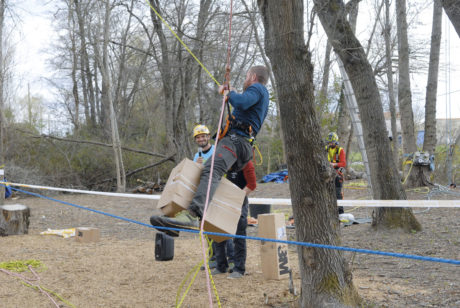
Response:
column 305, row 244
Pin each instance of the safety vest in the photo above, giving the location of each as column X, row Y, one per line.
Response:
column 333, row 154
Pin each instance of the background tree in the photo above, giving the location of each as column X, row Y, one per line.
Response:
column 404, row 90
column 384, row 176
column 429, row 141
column 391, row 91
column 325, row 277
column 2, row 104
column 452, row 9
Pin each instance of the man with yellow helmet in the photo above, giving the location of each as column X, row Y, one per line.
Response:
column 202, row 136
column 337, row 159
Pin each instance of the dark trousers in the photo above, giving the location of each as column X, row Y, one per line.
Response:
column 233, row 152
column 239, row 258
column 229, row 251
column 338, row 190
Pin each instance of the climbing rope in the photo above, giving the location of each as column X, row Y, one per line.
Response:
column 195, row 270
column 227, row 82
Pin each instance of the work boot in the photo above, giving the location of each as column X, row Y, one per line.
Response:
column 216, row 271
column 235, row 275
column 182, row 220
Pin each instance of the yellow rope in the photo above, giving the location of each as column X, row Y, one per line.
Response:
column 22, row 266
column 410, row 169
column 196, row 269
column 51, row 292
column 183, row 44
column 260, row 155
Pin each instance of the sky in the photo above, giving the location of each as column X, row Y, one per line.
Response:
column 36, row 35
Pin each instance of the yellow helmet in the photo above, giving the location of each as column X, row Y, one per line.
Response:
column 332, row 137
column 200, row 129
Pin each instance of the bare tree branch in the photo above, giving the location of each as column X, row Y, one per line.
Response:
column 94, row 143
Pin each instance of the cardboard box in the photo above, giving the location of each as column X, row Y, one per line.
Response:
column 180, row 187
column 274, row 256
column 87, row 235
column 224, row 210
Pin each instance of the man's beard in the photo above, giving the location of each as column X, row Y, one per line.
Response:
column 245, row 85
column 203, row 144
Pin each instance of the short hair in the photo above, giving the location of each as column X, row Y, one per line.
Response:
column 261, row 73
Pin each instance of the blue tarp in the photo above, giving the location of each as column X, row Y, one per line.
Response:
column 277, row 177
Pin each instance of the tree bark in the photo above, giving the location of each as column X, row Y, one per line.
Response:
column 384, row 175
column 429, row 142
column 14, row 219
column 391, row 90
column 324, row 274
column 452, row 9
column 404, row 90
column 166, row 76
column 2, row 103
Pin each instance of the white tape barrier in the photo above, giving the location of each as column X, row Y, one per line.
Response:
column 370, row 203
column 101, row 193
column 273, row 201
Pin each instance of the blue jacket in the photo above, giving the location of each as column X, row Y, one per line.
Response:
column 250, row 107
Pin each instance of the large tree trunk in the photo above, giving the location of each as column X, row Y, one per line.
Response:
column 344, row 125
column 325, row 277
column 429, row 142
column 452, row 9
column 404, row 91
column 2, row 104
column 384, row 175
column 391, row 90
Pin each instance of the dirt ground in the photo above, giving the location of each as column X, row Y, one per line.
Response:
column 121, row 271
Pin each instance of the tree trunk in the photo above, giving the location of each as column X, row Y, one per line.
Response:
column 429, row 142
column 14, row 219
column 2, row 103
column 345, row 125
column 166, row 77
column 325, row 276
column 384, row 175
column 391, row 90
column 73, row 50
column 404, row 90
column 452, row 9
column 108, row 101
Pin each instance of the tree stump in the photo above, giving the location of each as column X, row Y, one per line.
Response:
column 14, row 219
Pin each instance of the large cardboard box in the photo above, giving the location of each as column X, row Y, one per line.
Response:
column 180, row 187
column 274, row 256
column 224, row 210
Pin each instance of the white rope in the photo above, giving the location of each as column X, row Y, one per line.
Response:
column 90, row 192
column 272, row 201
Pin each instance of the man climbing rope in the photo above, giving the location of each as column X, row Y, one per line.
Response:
column 337, row 159
column 234, row 149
